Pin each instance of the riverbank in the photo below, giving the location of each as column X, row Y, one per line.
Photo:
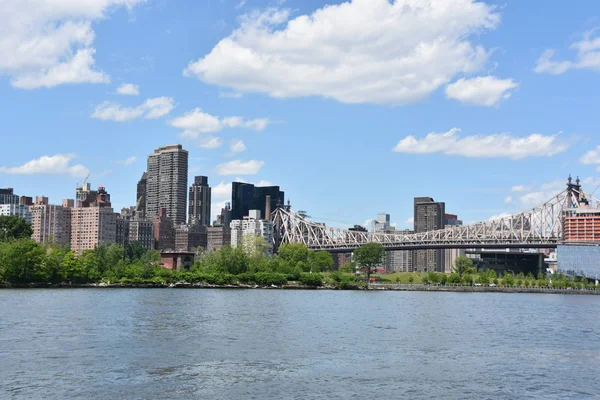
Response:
column 372, row 287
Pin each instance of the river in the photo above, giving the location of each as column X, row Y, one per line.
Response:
column 285, row 344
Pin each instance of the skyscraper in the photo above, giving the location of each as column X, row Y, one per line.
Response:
column 429, row 216
column 166, row 185
column 246, row 197
column 200, row 201
column 140, row 199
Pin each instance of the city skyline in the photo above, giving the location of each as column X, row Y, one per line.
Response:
column 509, row 122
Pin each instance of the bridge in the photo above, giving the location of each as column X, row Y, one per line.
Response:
column 540, row 227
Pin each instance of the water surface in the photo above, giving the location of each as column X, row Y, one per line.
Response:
column 261, row 344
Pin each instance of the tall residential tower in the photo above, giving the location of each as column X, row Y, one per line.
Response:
column 200, row 202
column 167, row 183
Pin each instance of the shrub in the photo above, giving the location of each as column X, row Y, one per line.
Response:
column 311, row 279
column 270, row 278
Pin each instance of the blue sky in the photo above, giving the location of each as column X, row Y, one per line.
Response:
column 352, row 107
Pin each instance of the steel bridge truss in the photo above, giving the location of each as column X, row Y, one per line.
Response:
column 541, row 227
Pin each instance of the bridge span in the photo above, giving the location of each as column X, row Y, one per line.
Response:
column 540, row 227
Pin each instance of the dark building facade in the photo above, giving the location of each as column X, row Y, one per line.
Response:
column 140, row 199
column 199, row 202
column 246, row 197
column 428, row 216
column 7, row 196
column 164, row 231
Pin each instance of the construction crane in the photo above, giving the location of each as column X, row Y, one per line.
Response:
column 84, row 182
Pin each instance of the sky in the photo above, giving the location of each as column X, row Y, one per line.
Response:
column 352, row 107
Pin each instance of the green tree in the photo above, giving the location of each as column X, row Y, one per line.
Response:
column 14, row 227
column 134, row 250
column 22, row 261
column 369, row 256
column 347, row 268
column 463, row 266
column 322, row 260
column 255, row 246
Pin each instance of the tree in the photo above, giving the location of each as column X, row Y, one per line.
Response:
column 463, row 266
column 358, row 228
column 14, row 227
column 255, row 246
column 322, row 261
column 22, row 261
column 368, row 256
column 347, row 268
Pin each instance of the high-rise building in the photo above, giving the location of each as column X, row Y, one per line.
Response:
column 164, row 231
column 199, row 202
column 166, row 185
column 246, row 197
column 140, row 199
column 84, row 195
column 190, row 237
column 450, row 255
column 224, row 219
column 242, row 199
column 141, row 231
column 91, row 226
column 7, row 196
column 25, row 201
column 16, row 209
column 428, row 216
column 217, row 237
column 50, row 223
column 251, row 227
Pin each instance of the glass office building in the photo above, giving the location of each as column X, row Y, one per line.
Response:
column 579, row 261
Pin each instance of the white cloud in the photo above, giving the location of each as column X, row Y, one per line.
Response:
column 237, row 146
column 129, row 89
column 592, row 157
column 237, row 167
column 222, row 190
column 241, row 4
column 58, row 164
column 508, row 200
column 196, row 122
column 588, row 56
column 210, row 142
column 499, row 216
column 482, row 146
column 518, row 188
column 481, row 91
column 410, row 221
column 359, row 51
column 45, row 43
column 127, row 161
column 151, row 109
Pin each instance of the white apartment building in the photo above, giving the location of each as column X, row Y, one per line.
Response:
column 15, row 209
column 255, row 227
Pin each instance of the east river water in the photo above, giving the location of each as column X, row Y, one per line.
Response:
column 280, row 344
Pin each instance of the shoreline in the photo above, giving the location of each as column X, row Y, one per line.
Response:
column 372, row 287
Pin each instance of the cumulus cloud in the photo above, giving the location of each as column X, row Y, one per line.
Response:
column 508, row 200
column 58, row 164
column 238, row 167
column 592, row 157
column 153, row 108
column 482, row 146
column 410, row 221
column 129, row 89
column 127, row 161
column 359, row 51
column 196, row 122
column 210, row 142
column 481, row 91
column 46, row 43
column 237, row 146
column 587, row 57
